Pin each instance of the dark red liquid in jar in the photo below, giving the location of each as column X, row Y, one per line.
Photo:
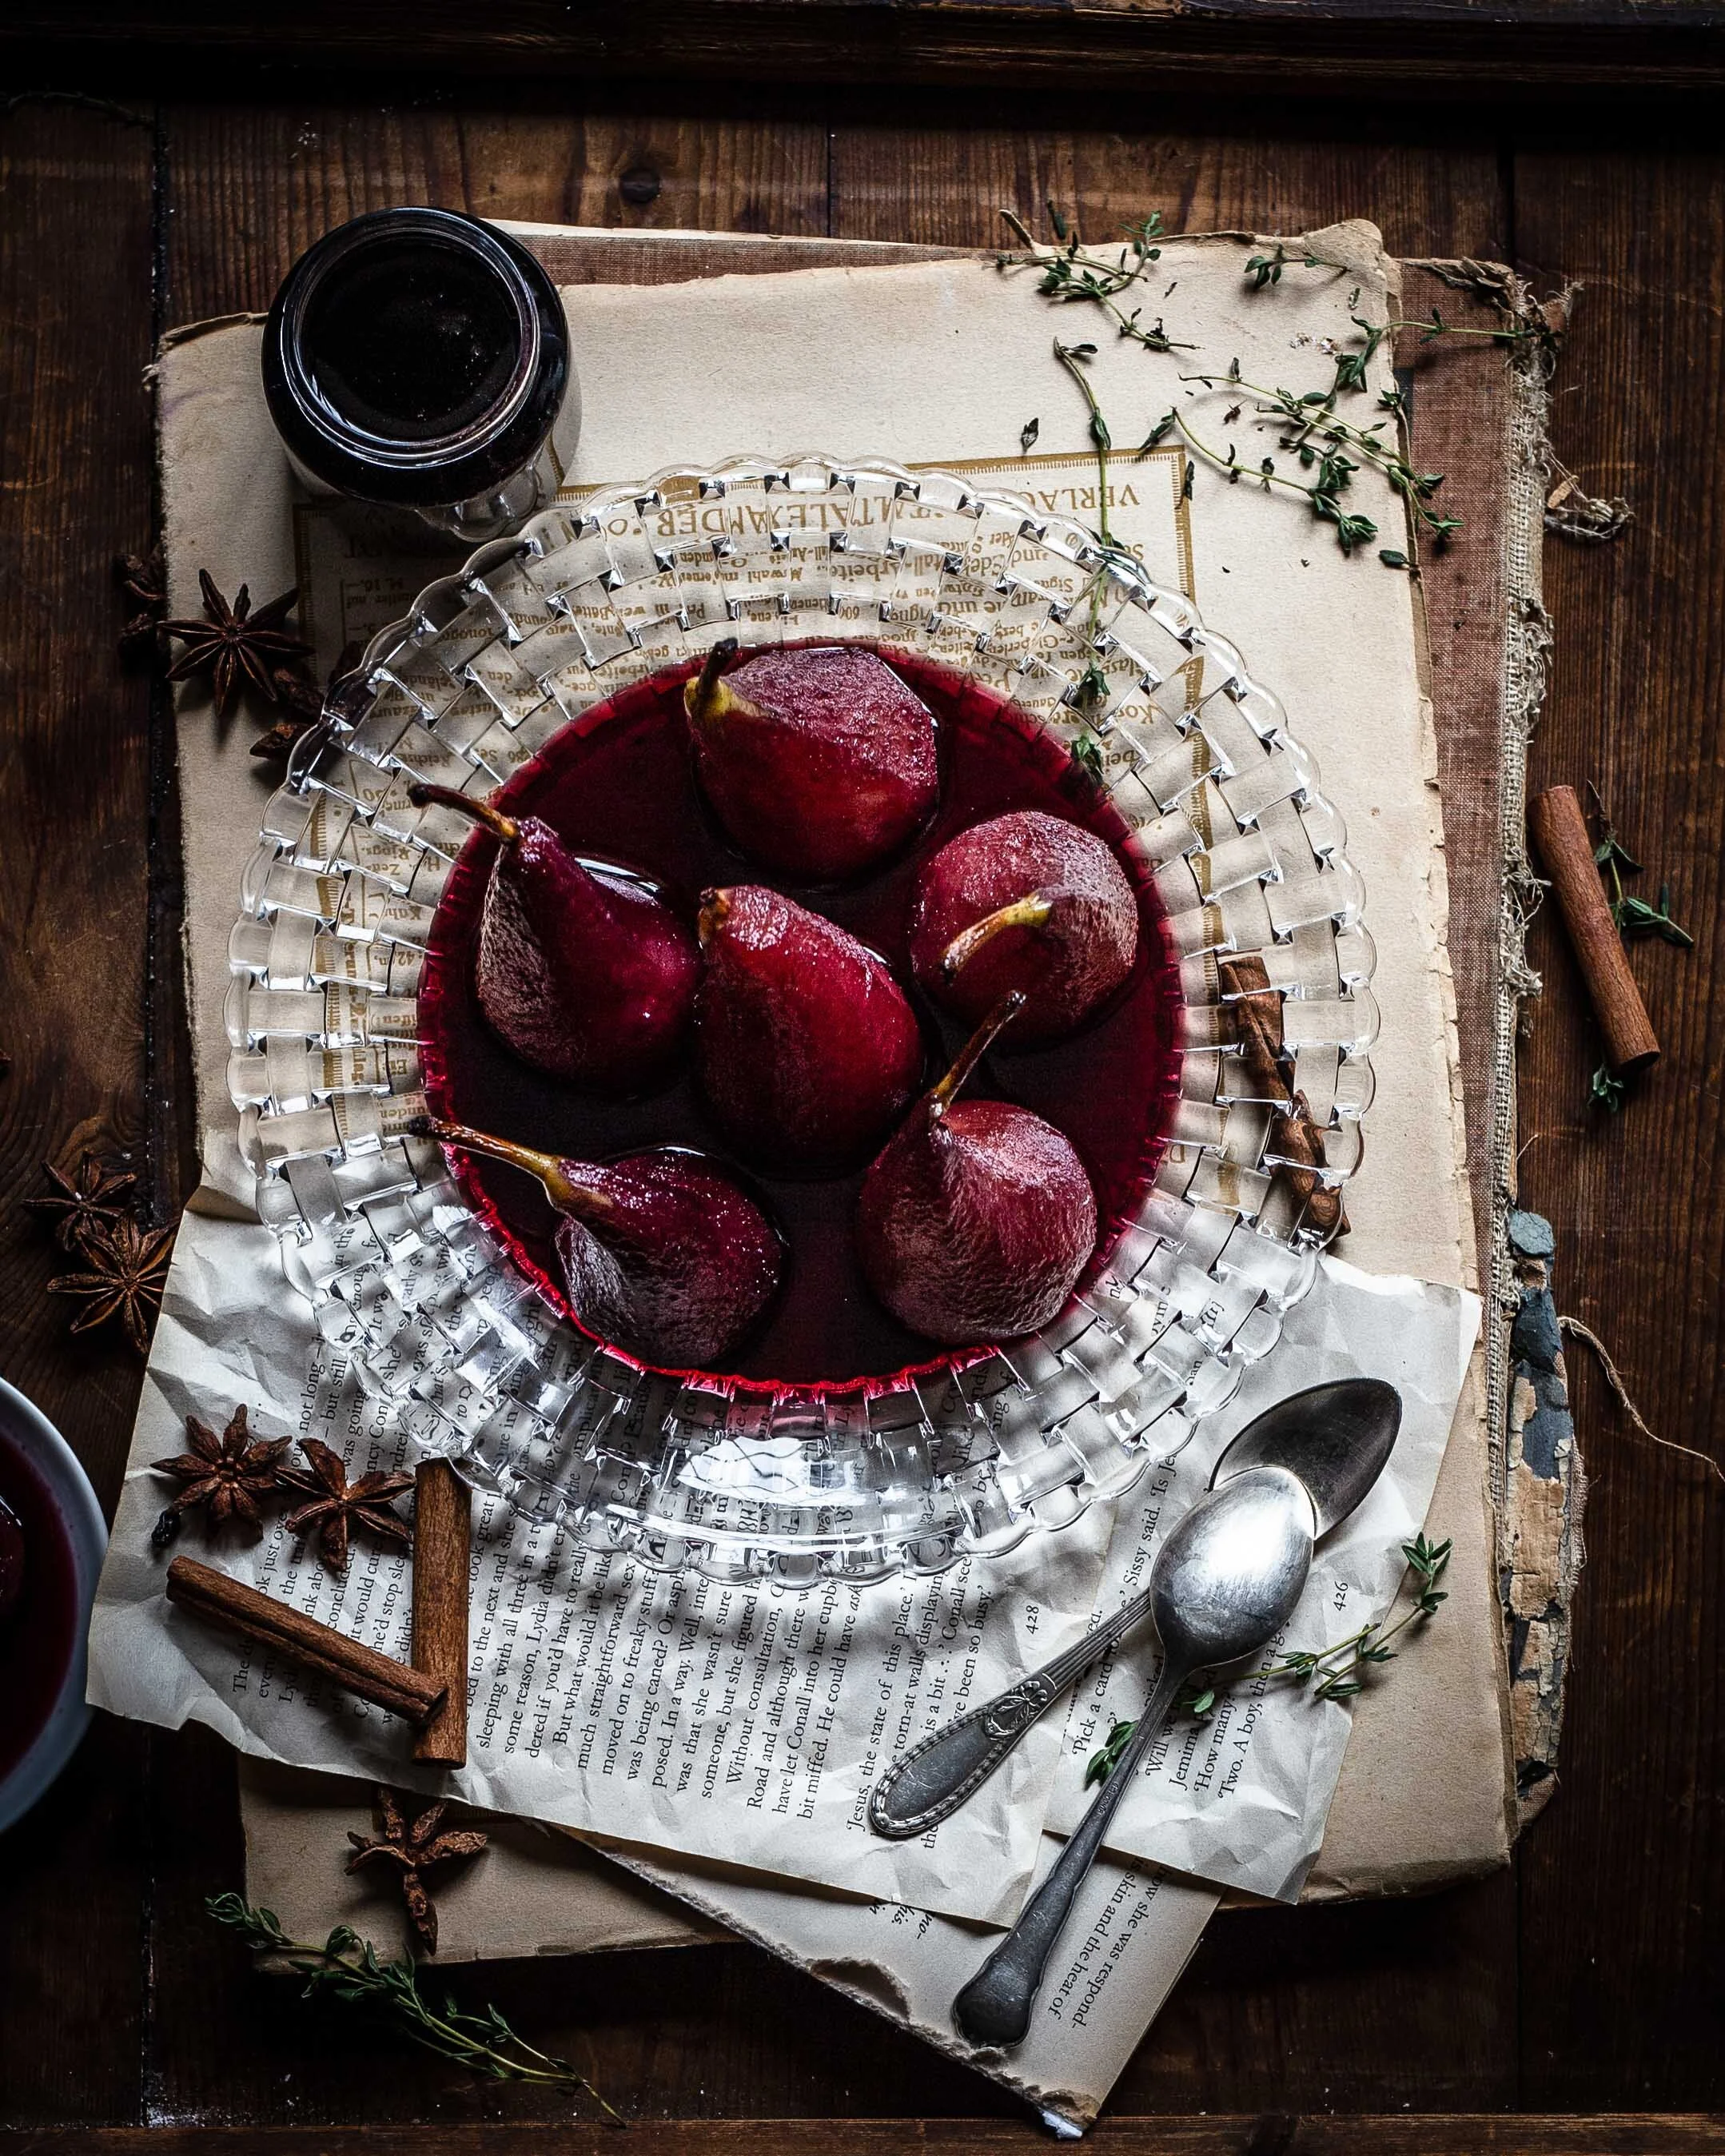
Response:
column 411, row 340
column 617, row 784
column 38, row 1630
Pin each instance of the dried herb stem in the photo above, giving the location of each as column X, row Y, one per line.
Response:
column 1072, row 357
column 1315, row 434
column 346, row 1968
column 1633, row 917
column 1339, row 1671
column 1266, row 269
column 1068, row 273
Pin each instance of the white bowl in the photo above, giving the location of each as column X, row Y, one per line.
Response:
column 30, row 1431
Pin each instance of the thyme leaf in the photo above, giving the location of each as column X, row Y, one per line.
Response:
column 1634, row 917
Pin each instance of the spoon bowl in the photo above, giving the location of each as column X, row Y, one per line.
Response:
column 1336, row 1437
column 1231, row 1571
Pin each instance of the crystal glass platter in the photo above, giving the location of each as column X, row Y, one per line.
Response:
column 799, row 1485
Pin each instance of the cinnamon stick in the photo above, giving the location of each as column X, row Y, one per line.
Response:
column 1301, row 1146
column 361, row 1670
column 443, row 1534
column 1560, row 832
column 1256, row 1010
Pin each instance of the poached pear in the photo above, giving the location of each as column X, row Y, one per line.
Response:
column 1025, row 901
column 977, row 1219
column 582, row 969
column 806, row 1047
column 662, row 1254
column 817, row 761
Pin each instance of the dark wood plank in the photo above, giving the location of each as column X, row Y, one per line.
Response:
column 252, row 185
column 1624, row 1877
column 1358, row 2008
column 75, row 191
column 1409, row 2003
column 1397, row 47
column 1271, row 2133
column 940, row 175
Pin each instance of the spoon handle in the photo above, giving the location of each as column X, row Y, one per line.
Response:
column 933, row 1779
column 995, row 2007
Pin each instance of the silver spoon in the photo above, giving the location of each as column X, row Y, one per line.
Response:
column 1224, row 1585
column 1335, row 1438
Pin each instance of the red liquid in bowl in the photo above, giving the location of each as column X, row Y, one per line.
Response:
column 38, row 1631
column 617, row 784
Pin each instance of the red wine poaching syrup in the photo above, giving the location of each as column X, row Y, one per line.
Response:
column 411, row 340
column 38, row 1628
column 617, row 784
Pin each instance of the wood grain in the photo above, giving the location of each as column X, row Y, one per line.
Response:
column 929, row 174
column 75, row 206
column 250, row 186
column 1270, row 2133
column 1394, row 48
column 1623, row 1880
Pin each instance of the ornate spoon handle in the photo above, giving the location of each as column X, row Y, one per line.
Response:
column 934, row 1777
column 995, row 2007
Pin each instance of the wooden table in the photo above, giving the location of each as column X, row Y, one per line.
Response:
column 149, row 183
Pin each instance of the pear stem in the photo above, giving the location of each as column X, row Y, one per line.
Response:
column 714, row 910
column 698, row 697
column 567, row 1195
column 501, row 827
column 1031, row 912
column 972, row 1052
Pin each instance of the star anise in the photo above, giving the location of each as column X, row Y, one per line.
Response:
column 411, row 1848
column 143, row 578
column 234, row 645
column 128, row 1266
column 306, row 704
column 337, row 1505
column 82, row 1200
column 230, row 1474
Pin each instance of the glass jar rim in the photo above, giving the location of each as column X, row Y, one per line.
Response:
column 423, row 470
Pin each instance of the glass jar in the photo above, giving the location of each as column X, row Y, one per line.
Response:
column 419, row 359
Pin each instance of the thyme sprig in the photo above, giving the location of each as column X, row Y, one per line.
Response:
column 346, row 1968
column 1073, row 357
column 1632, row 916
column 1069, row 273
column 1093, row 685
column 1313, row 432
column 1334, row 1672
column 1338, row 1672
column 1328, row 448
column 1262, row 270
